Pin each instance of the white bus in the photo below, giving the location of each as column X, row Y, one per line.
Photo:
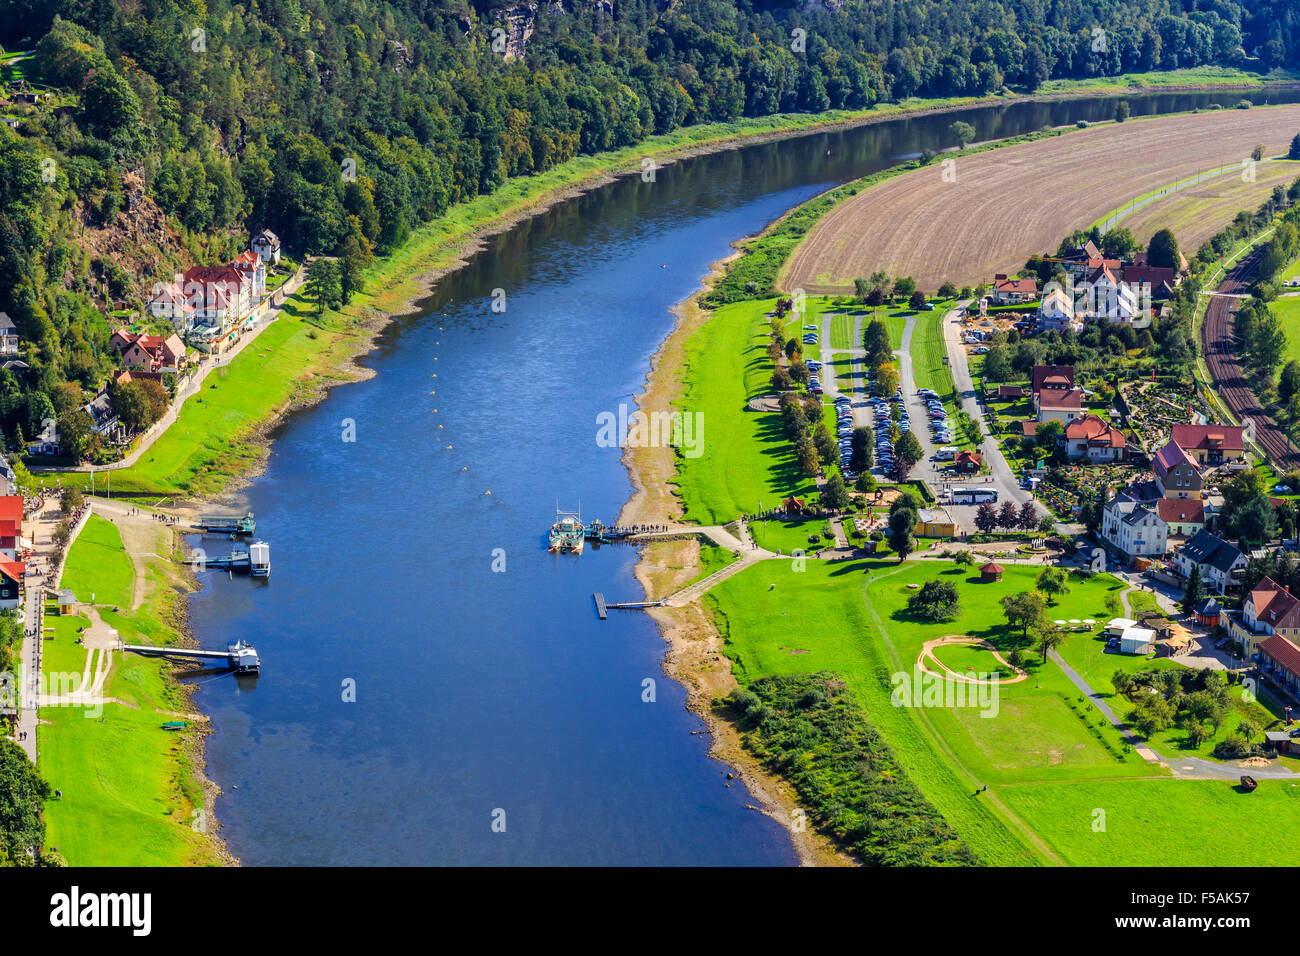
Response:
column 974, row 496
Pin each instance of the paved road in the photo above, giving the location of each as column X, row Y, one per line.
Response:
column 1146, row 753
column 919, row 415
column 1001, row 476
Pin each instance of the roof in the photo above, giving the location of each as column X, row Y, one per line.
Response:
column 1208, row 607
column 934, row 516
column 1135, row 633
column 1181, row 510
column 1282, row 651
column 992, row 568
column 1120, row 622
column 11, row 508
column 267, row 235
column 1029, row 428
column 1095, row 431
column 6, row 323
column 1154, row 275
column 14, row 570
column 1209, row 437
column 1041, row 372
column 1023, row 286
column 1071, row 400
column 1274, row 604
column 1169, row 457
column 1206, row 548
column 968, row 458
column 1011, row 391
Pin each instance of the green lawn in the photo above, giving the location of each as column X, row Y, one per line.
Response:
column 1287, row 309
column 129, row 787
column 929, row 365
column 98, row 565
column 747, row 459
column 1165, row 822
column 859, row 631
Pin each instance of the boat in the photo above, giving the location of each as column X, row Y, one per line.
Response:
column 567, row 534
column 175, row 725
column 227, row 524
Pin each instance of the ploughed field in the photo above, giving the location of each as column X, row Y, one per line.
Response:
column 988, row 212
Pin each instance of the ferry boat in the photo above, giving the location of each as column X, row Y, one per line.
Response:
column 567, row 534
column 228, row 524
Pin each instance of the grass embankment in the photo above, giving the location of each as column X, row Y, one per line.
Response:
column 1199, row 76
column 131, row 796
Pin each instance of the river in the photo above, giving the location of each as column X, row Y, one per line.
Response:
column 495, row 720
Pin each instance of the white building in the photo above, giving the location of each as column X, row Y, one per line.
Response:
column 1132, row 528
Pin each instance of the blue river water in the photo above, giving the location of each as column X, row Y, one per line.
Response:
column 495, row 719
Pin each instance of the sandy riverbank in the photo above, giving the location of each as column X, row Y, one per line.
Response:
column 696, row 654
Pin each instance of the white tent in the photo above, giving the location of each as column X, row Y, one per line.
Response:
column 1118, row 625
column 1137, row 640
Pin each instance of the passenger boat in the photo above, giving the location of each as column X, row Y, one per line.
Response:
column 567, row 534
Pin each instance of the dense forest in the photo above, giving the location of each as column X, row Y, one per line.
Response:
column 175, row 126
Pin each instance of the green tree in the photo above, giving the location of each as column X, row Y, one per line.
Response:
column 962, row 133
column 22, row 797
column 1052, row 582
column 1294, row 152
column 1194, row 591
column 835, row 496
column 937, row 600
column 324, row 284
column 1288, row 383
column 1162, row 250
column 1122, row 111
column 866, row 483
column 1048, row 638
column 908, row 447
column 1025, row 610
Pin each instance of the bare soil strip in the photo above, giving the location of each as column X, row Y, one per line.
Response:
column 997, row 208
column 927, row 656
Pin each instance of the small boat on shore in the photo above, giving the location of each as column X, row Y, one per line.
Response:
column 568, row 533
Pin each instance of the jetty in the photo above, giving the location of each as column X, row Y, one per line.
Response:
column 256, row 561
column 240, row 657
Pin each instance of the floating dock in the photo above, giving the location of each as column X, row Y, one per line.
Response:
column 241, row 657
column 255, row 561
column 602, row 607
column 227, row 524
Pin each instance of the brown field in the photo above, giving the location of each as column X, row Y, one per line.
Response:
column 1009, row 203
column 1197, row 213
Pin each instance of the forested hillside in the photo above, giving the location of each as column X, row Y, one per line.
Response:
column 172, row 127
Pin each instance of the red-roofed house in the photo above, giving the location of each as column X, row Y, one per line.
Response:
column 968, row 461
column 151, row 353
column 1051, row 376
column 1060, row 406
column 11, row 526
column 1012, row 291
column 1182, row 516
column 1211, row 444
column 1090, row 437
column 12, row 574
column 1279, row 663
column 1176, row 473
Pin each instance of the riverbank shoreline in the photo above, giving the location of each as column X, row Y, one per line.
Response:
column 696, row 656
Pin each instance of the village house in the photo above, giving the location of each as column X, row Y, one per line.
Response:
column 1220, row 563
column 12, row 574
column 1055, row 405
column 267, row 246
column 1013, row 291
column 103, row 417
column 1093, row 439
column 935, row 523
column 1211, row 444
column 1056, row 312
column 1268, row 610
column 1106, row 297
column 254, row 269
column 1183, row 517
column 206, row 302
column 149, row 353
column 1132, row 528
column 1157, row 281
column 8, row 335
column 1176, row 474
column 968, row 462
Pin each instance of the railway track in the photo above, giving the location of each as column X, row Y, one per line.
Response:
column 1219, row 346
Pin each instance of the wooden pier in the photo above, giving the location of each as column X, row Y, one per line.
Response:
column 602, row 607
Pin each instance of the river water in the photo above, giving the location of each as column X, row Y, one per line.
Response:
column 436, row 688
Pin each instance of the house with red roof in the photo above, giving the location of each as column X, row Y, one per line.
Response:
column 149, row 353
column 1050, row 376
column 1007, row 291
column 1177, row 475
column 1183, row 517
column 1060, row 406
column 968, row 461
column 1211, row 444
column 12, row 575
column 1093, row 439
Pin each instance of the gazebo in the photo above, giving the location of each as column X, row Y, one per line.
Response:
column 1207, row 612
column 991, row 572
